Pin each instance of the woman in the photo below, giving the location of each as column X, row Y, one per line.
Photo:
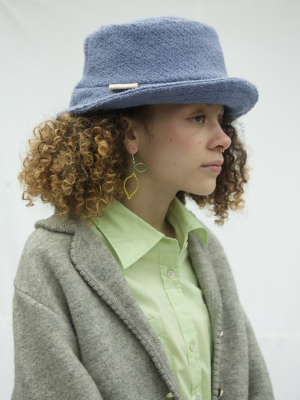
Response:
column 123, row 293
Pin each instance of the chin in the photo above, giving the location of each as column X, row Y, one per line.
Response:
column 204, row 191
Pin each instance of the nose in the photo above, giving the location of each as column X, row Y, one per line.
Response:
column 220, row 138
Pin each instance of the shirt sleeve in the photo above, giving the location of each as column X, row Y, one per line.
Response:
column 47, row 355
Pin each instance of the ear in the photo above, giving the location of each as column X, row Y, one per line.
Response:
column 130, row 133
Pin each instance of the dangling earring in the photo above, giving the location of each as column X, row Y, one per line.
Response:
column 134, row 167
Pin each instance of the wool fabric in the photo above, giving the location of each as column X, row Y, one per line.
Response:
column 80, row 334
column 166, row 59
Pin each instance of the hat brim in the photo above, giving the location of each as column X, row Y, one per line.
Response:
column 237, row 94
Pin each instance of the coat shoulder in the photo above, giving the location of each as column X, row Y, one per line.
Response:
column 45, row 266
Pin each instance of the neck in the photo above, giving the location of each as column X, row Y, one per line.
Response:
column 152, row 207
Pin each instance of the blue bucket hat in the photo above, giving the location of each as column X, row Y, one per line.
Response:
column 157, row 60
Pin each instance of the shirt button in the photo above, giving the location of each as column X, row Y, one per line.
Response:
column 192, row 346
column 171, row 273
column 197, row 397
column 220, row 392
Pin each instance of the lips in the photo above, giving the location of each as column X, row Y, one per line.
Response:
column 217, row 163
column 214, row 168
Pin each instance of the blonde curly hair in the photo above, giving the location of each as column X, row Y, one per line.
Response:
column 78, row 163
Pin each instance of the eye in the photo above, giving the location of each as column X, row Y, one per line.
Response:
column 199, row 116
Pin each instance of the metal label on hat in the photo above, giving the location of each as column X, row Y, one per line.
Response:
column 117, row 86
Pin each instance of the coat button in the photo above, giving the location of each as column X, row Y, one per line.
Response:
column 220, row 392
column 221, row 334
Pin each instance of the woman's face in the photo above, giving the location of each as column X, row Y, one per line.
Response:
column 183, row 138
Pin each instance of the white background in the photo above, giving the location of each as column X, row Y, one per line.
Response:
column 42, row 60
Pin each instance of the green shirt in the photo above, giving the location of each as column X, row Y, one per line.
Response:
column 160, row 275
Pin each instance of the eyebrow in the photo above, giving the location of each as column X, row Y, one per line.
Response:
column 210, row 105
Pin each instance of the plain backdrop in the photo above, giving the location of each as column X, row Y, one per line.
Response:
column 42, row 60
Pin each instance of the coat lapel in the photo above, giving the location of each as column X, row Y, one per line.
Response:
column 203, row 266
column 98, row 267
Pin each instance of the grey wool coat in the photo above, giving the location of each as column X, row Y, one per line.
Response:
column 79, row 334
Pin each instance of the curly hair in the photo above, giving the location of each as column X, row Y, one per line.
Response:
column 77, row 163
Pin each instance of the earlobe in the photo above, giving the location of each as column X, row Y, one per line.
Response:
column 129, row 141
column 126, row 142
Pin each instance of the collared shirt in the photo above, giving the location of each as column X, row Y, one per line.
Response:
column 160, row 275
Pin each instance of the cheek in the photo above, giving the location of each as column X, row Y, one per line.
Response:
column 174, row 149
column 187, row 148
column 177, row 141
column 182, row 155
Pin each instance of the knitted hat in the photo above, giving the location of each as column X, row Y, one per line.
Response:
column 157, row 60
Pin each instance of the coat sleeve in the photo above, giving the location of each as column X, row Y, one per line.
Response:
column 260, row 386
column 47, row 355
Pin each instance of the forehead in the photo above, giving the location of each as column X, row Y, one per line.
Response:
column 188, row 107
column 174, row 110
column 177, row 106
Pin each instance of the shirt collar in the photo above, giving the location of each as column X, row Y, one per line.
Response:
column 132, row 237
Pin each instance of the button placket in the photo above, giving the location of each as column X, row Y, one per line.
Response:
column 192, row 346
column 171, row 273
column 169, row 270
